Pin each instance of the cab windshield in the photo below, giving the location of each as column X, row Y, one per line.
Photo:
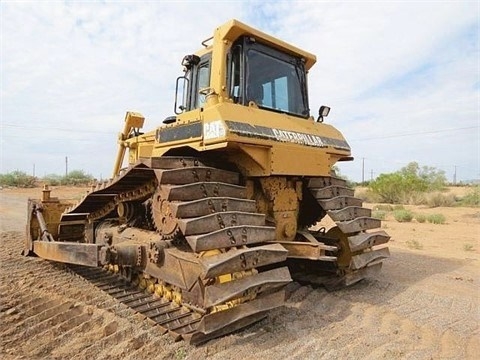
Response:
column 273, row 80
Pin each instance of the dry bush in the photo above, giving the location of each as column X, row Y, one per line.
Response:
column 379, row 214
column 413, row 198
column 472, row 198
column 436, row 218
column 383, row 207
column 367, row 195
column 420, row 218
column 468, row 247
column 437, row 199
column 414, row 244
column 403, row 215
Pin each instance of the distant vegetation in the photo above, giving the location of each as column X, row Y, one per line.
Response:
column 23, row 180
column 75, row 177
column 472, row 198
column 407, row 185
column 415, row 185
column 18, row 179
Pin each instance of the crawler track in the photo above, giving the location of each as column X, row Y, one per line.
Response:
column 356, row 233
column 211, row 262
column 168, row 316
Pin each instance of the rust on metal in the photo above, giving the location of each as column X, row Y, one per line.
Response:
column 242, row 259
column 71, row 253
column 358, row 224
column 349, row 213
column 308, row 250
column 220, row 220
column 188, row 175
column 366, row 240
column 332, row 191
column 211, row 205
column 190, row 192
column 340, row 202
column 232, row 236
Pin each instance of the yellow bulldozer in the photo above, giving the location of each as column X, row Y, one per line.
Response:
column 222, row 204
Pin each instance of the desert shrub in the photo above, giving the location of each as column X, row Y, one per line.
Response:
column 52, row 179
column 472, row 198
column 413, row 198
column 420, row 218
column 77, row 177
column 367, row 195
column 379, row 214
column 436, row 218
column 403, row 215
column 18, row 179
column 437, row 199
column 468, row 247
column 383, row 207
column 414, row 244
column 407, row 184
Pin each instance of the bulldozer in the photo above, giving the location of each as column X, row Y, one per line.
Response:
column 224, row 203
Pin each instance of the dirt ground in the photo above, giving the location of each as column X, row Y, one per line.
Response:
column 423, row 305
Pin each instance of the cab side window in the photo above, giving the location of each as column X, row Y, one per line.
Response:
column 235, row 74
column 201, row 80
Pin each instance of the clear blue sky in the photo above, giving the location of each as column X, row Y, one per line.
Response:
column 402, row 78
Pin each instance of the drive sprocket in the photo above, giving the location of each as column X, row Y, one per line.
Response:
column 162, row 216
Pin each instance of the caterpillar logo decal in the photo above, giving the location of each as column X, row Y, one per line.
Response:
column 264, row 132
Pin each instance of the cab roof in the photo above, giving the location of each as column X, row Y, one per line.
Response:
column 233, row 29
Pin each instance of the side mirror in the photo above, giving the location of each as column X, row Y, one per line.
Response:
column 323, row 112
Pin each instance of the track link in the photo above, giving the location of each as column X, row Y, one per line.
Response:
column 170, row 317
column 361, row 245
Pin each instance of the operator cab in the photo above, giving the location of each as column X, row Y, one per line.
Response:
column 257, row 74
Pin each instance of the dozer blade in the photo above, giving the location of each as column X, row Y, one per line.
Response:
column 267, row 280
column 366, row 240
column 213, row 222
column 359, row 224
column 232, row 236
column 242, row 259
column 362, row 260
column 72, row 253
column 187, row 175
column 237, row 317
column 190, row 192
column 340, row 202
column 349, row 213
column 332, row 191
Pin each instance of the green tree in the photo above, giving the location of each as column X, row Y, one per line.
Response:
column 408, row 182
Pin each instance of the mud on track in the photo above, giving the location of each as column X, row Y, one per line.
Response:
column 421, row 306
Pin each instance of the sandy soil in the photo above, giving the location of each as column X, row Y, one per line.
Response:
column 423, row 305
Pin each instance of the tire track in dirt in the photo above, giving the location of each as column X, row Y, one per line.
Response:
column 378, row 318
column 47, row 311
column 375, row 320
